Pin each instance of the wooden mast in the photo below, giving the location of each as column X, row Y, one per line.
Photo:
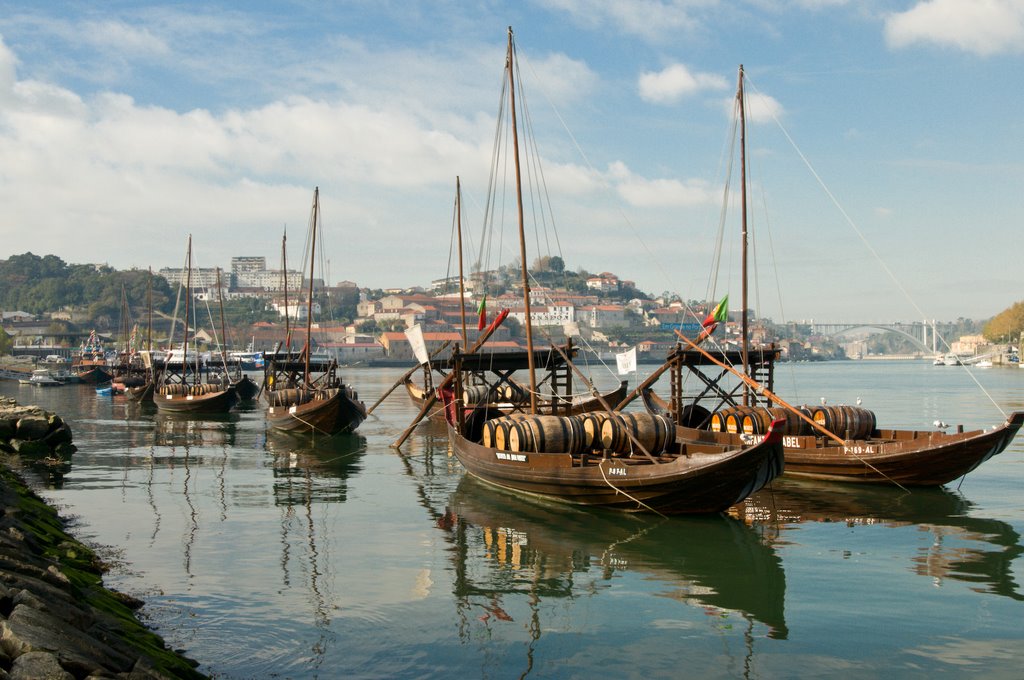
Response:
column 188, row 295
column 462, row 288
column 509, row 63
column 309, row 302
column 284, row 284
column 743, row 199
column 149, row 302
column 223, row 329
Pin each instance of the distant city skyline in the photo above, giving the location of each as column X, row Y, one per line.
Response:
column 883, row 142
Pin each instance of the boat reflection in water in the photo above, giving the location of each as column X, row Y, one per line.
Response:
column 504, row 547
column 976, row 550
column 308, row 470
column 174, row 429
column 311, row 472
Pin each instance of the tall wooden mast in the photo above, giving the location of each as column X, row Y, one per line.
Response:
column 462, row 287
column 509, row 64
column 309, row 302
column 188, row 296
column 743, row 199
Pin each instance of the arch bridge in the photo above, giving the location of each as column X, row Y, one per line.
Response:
column 928, row 336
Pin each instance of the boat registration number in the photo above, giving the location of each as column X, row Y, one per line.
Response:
column 859, row 450
column 617, row 471
column 514, row 457
column 788, row 441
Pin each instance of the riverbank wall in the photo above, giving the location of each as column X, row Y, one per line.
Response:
column 57, row 619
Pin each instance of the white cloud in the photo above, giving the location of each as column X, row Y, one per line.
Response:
column 647, row 19
column 983, row 27
column 121, row 37
column 761, row 108
column 675, row 82
column 659, row 193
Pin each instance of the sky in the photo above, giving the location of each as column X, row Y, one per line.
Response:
column 884, row 142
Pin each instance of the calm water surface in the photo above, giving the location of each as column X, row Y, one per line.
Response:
column 263, row 556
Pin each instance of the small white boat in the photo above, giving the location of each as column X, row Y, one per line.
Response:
column 43, row 378
column 984, row 363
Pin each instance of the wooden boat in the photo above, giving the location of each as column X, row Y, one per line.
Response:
column 181, row 388
column 246, row 388
column 832, row 443
column 90, row 364
column 635, row 465
column 319, row 403
column 872, row 454
column 646, row 470
column 143, row 373
column 306, row 394
column 140, row 393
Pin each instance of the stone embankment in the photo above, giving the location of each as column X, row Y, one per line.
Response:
column 57, row 620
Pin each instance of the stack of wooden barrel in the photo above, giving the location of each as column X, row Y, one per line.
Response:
column 848, row 422
column 597, row 431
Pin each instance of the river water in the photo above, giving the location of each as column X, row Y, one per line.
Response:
column 263, row 556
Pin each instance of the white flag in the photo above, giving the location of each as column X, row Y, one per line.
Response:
column 626, row 361
column 419, row 346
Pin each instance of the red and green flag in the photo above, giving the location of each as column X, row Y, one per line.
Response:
column 482, row 313
column 719, row 313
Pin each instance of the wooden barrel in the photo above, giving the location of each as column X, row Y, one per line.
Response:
column 760, row 419
column 592, row 428
column 848, row 422
column 757, row 420
column 475, row 394
column 717, row 421
column 513, row 393
column 655, row 432
column 496, row 430
column 547, row 434
column 489, row 437
column 795, row 425
column 734, row 418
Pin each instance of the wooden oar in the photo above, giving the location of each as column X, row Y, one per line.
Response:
column 406, row 376
column 761, row 389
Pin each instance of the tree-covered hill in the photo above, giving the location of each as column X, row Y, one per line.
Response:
column 35, row 284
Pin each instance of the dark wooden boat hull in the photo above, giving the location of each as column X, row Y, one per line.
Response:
column 214, row 402
column 246, row 388
column 140, row 393
column 906, row 457
column 701, row 482
column 339, row 413
column 589, row 405
column 93, row 375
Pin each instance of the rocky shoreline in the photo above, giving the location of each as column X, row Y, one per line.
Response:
column 57, row 620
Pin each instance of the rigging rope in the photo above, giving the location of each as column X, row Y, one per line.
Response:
column 853, row 225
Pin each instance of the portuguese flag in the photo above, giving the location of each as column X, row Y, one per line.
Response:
column 482, row 312
column 719, row 313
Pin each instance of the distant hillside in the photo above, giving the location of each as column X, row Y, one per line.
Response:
column 35, row 284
